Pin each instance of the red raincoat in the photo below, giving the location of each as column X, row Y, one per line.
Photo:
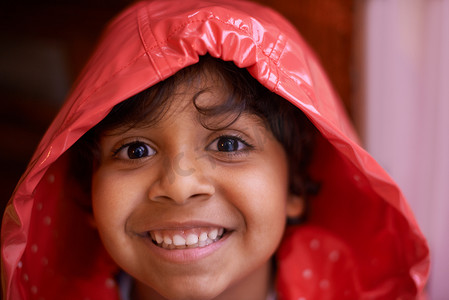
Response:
column 361, row 240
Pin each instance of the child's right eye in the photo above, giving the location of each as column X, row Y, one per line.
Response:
column 134, row 150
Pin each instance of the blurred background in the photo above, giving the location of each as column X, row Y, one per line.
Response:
column 388, row 61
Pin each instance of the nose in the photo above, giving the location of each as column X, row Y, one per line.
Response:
column 181, row 179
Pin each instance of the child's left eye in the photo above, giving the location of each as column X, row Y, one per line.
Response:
column 228, row 144
column 134, row 150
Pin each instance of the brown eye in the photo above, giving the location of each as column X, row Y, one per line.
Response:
column 135, row 150
column 229, row 144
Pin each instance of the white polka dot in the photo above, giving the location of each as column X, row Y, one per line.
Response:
column 51, row 178
column 25, row 277
column 334, row 256
column 110, row 283
column 39, row 206
column 324, row 284
column 307, row 273
column 356, row 177
column 20, row 264
column 34, row 248
column 44, row 261
column 47, row 220
column 314, row 244
column 34, row 289
column 302, row 298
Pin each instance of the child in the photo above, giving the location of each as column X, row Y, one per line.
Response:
column 179, row 158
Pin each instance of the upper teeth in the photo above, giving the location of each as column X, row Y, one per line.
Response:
column 191, row 238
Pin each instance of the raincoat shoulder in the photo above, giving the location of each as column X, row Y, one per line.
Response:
column 361, row 240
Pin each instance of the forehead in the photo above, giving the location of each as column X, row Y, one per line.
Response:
column 215, row 88
column 203, row 90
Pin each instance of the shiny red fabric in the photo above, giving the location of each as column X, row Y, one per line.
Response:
column 361, row 240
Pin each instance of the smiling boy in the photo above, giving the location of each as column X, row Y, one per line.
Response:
column 210, row 233
column 184, row 165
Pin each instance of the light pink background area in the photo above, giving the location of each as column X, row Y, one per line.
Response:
column 404, row 80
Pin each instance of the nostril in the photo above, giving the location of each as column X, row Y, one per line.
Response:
column 160, row 198
column 198, row 195
column 181, row 190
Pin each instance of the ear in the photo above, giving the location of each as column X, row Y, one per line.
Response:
column 295, row 206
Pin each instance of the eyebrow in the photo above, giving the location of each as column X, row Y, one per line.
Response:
column 252, row 117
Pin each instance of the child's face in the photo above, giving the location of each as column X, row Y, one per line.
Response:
column 223, row 193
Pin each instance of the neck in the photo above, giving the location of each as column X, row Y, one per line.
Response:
column 255, row 286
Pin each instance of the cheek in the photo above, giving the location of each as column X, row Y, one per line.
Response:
column 271, row 186
column 261, row 196
column 113, row 200
column 112, row 203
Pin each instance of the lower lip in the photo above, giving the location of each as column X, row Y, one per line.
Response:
column 187, row 255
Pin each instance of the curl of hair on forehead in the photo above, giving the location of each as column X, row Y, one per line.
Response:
column 240, row 93
column 208, row 75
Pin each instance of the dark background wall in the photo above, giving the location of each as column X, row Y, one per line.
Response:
column 44, row 44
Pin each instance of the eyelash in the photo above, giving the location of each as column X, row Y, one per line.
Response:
column 242, row 147
column 246, row 146
column 116, row 152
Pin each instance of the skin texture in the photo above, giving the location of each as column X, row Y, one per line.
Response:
column 187, row 179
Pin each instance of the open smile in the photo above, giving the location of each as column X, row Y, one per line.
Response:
column 186, row 238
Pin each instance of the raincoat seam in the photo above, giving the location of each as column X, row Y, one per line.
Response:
column 147, row 50
column 158, row 44
column 144, row 44
column 306, row 65
column 183, row 25
column 283, row 43
column 82, row 101
column 272, row 48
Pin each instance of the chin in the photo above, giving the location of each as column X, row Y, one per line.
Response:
column 177, row 294
column 191, row 290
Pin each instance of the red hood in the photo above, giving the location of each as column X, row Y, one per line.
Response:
column 361, row 240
